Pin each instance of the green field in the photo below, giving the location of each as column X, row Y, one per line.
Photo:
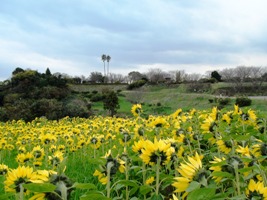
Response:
column 164, row 100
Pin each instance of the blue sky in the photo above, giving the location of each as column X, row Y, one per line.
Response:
column 69, row 36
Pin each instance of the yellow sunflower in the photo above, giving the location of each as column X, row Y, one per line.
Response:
column 38, row 153
column 157, row 150
column 256, row 190
column 56, row 158
column 217, row 168
column 22, row 158
column 225, row 146
column 150, row 180
column 136, row 110
column 138, row 146
column 244, row 151
column 16, row 177
column 102, row 178
column 3, row 169
column 189, row 171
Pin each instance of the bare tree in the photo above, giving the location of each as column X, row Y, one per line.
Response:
column 155, row 75
column 116, row 78
column 177, row 76
column 242, row 76
column 194, row 77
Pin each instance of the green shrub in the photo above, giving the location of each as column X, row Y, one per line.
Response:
column 136, row 84
column 97, row 97
column 76, row 108
column 243, row 101
column 224, row 101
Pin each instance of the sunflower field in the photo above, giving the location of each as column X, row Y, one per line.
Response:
column 198, row 154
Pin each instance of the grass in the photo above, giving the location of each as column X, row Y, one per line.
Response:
column 169, row 98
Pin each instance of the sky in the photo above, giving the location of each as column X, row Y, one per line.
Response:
column 70, row 36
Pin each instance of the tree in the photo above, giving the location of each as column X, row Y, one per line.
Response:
column 104, row 58
column 155, row 75
column 47, row 72
column 96, row 77
column 108, row 59
column 216, row 75
column 111, row 102
column 17, row 70
column 135, row 76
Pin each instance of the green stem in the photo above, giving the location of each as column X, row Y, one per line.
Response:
column 21, row 192
column 237, row 180
column 63, row 189
column 127, row 178
column 157, row 175
column 109, row 166
column 144, row 175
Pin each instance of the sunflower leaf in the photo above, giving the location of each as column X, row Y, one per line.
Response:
column 6, row 196
column 84, row 186
column 202, row 194
column 144, row 189
column 40, row 187
column 193, row 186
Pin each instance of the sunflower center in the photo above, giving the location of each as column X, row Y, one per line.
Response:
column 255, row 195
column 159, row 125
column 37, row 154
column 18, row 182
column 212, row 127
column 156, row 155
column 228, row 144
column 94, row 140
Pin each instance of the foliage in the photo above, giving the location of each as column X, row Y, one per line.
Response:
column 200, row 154
column 111, row 102
column 216, row 75
column 31, row 94
column 97, row 97
column 136, row 84
column 243, row 101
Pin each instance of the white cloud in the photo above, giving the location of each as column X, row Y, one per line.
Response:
column 71, row 36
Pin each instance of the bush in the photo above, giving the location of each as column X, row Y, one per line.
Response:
column 76, row 108
column 243, row 101
column 97, row 97
column 224, row 101
column 136, row 84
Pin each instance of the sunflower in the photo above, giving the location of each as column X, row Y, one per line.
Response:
column 227, row 117
column 3, row 169
column 22, row 158
column 136, row 110
column 38, row 153
column 226, row 165
column 56, row 158
column 48, row 138
column 208, row 125
column 138, row 146
column 190, row 171
column 150, row 180
column 157, row 150
column 244, row 151
column 159, row 122
column 256, row 190
column 217, row 168
column 237, row 110
column 102, row 178
column 16, row 177
column 225, row 146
